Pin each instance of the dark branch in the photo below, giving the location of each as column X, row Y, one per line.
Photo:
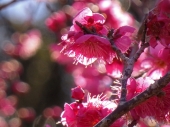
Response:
column 127, row 71
column 5, row 5
column 125, row 106
column 86, row 30
column 129, row 64
column 139, row 52
column 151, row 91
column 50, row 8
column 119, row 53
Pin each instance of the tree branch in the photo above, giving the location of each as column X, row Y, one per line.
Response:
column 152, row 90
column 5, row 5
column 119, row 53
column 129, row 63
column 127, row 71
column 86, row 30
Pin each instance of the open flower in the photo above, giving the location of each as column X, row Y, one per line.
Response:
column 84, row 47
column 155, row 61
column 92, row 21
column 158, row 24
column 89, row 48
column 156, row 106
column 90, row 44
column 158, row 30
column 89, row 113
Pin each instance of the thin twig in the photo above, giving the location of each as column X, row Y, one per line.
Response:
column 138, row 53
column 86, row 30
column 129, row 63
column 119, row 53
column 50, row 8
column 127, row 71
column 110, row 34
column 7, row 4
column 142, row 28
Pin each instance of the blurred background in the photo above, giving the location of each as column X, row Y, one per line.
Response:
column 35, row 79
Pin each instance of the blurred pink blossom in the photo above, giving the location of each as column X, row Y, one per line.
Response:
column 56, row 21
column 25, row 45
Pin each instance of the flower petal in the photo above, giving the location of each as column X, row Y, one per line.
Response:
column 80, row 16
column 123, row 43
column 123, row 30
column 99, row 18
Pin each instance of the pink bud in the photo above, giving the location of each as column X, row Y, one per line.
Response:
column 78, row 93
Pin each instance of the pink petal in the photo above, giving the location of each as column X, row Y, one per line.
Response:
column 88, row 48
column 115, row 69
column 123, row 43
column 98, row 18
column 84, row 38
column 164, row 54
column 131, row 84
column 165, row 41
column 154, row 51
column 123, row 30
column 68, row 111
column 104, row 31
column 153, row 42
column 80, row 17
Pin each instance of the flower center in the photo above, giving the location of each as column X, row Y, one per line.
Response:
column 92, row 26
column 161, row 64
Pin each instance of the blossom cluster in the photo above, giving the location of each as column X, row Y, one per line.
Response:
column 157, row 107
column 99, row 39
column 87, row 114
column 11, row 86
column 87, row 48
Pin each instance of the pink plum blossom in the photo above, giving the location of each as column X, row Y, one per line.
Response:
column 94, row 82
column 26, row 44
column 115, row 69
column 158, row 31
column 115, row 16
column 86, row 48
column 89, row 48
column 156, row 106
column 93, row 21
column 89, row 113
column 162, row 9
column 155, row 61
column 56, row 21
column 158, row 24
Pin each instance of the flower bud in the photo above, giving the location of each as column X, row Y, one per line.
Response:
column 78, row 93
